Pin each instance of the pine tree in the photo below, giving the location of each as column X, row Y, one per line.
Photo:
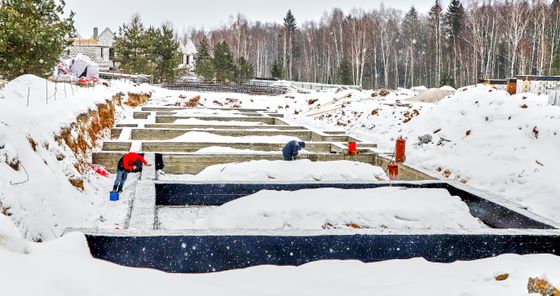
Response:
column 151, row 38
column 447, row 79
column 204, row 64
column 454, row 19
column 277, row 71
column 167, row 56
column 244, row 71
column 33, row 35
column 290, row 21
column 132, row 48
column 454, row 23
column 223, row 62
column 203, row 50
column 290, row 27
column 344, row 74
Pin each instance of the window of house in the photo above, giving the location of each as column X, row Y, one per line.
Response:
column 111, row 54
column 188, row 59
column 101, row 52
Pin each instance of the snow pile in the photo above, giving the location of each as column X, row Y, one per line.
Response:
column 419, row 88
column 209, row 137
column 385, row 207
column 493, row 141
column 229, row 150
column 432, row 95
column 12, row 243
column 208, row 112
column 197, row 121
column 447, row 88
column 302, row 170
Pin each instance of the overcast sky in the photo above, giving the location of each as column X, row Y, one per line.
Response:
column 212, row 13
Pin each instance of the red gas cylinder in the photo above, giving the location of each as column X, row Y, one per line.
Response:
column 352, row 148
column 400, row 155
column 393, row 171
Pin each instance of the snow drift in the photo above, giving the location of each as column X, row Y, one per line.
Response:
column 302, row 170
column 325, row 208
column 493, row 141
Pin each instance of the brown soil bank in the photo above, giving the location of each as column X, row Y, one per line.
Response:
column 82, row 135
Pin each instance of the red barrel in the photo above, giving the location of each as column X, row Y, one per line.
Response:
column 400, row 155
column 352, row 148
column 393, row 171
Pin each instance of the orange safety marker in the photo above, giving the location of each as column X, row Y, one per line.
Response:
column 400, row 148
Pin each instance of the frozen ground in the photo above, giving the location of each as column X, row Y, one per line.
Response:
column 328, row 208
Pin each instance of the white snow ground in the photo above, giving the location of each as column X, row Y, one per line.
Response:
column 302, row 170
column 209, row 137
column 197, row 121
column 326, row 208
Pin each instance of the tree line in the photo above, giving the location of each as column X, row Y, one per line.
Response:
column 221, row 66
column 453, row 45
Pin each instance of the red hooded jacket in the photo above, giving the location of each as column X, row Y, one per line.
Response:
column 130, row 159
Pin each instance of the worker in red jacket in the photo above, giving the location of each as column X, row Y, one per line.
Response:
column 129, row 163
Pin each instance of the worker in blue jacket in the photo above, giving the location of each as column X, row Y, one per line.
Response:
column 292, row 149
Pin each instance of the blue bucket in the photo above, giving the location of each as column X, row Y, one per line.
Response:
column 114, row 196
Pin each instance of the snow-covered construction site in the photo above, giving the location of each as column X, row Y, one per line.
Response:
column 473, row 208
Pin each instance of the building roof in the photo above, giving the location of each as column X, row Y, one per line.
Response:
column 104, row 39
column 188, row 48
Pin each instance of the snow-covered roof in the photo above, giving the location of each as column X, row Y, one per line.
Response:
column 190, row 48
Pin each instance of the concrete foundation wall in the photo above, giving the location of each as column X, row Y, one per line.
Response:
column 116, row 133
column 116, row 146
column 168, row 134
column 195, row 126
column 141, row 115
column 173, row 108
column 172, row 119
column 405, row 172
column 194, row 163
column 193, row 147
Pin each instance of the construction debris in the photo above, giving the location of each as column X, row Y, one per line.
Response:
column 425, row 139
column 543, row 287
